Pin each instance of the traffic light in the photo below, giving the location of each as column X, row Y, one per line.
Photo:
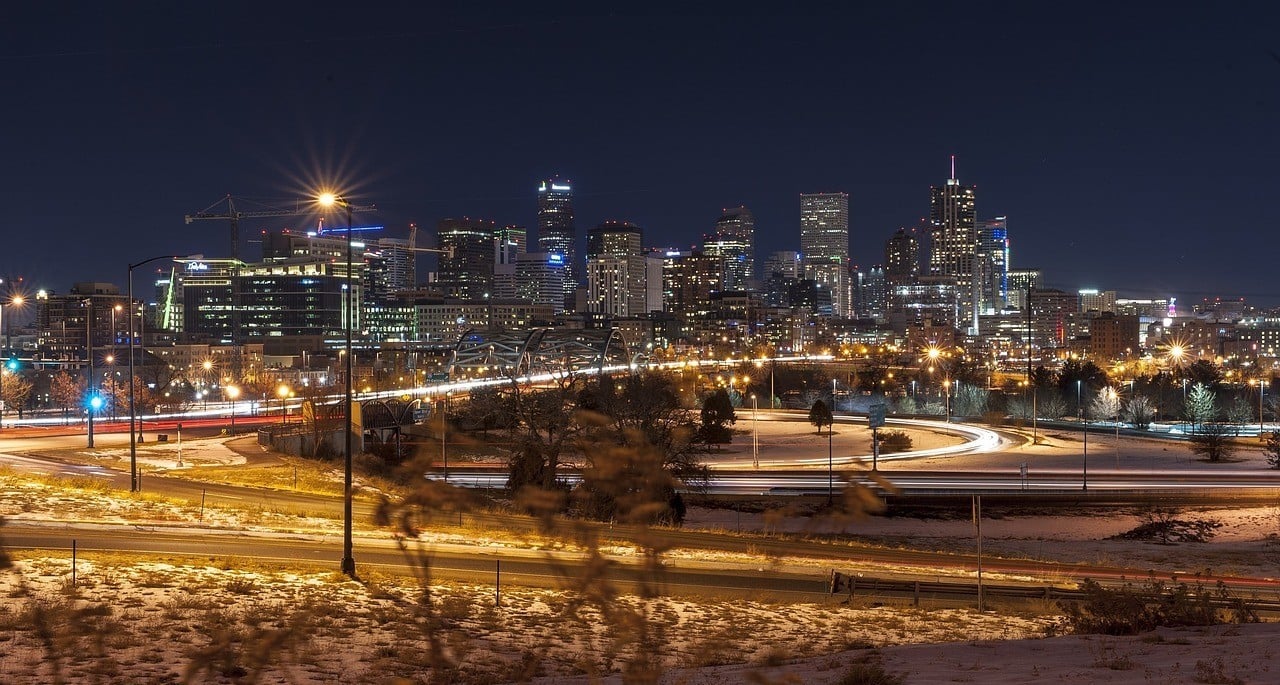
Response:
column 11, row 364
column 95, row 402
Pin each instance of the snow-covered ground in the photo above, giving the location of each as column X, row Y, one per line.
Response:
column 133, row 620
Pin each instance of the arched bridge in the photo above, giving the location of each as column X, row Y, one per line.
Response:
column 540, row 350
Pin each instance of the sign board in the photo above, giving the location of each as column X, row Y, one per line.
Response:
column 437, row 376
column 875, row 414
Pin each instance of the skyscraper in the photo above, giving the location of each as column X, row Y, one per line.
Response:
column 902, row 259
column 1020, row 282
column 785, row 263
column 468, row 272
column 824, row 242
column 734, row 239
column 953, row 242
column 508, row 242
column 616, row 269
column 993, row 265
column 557, row 232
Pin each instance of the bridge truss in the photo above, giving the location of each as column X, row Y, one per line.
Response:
column 538, row 351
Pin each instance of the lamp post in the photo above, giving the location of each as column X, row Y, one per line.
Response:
column 348, row 560
column 1262, row 389
column 444, row 421
column 283, row 393
column 88, row 355
column 755, row 435
column 831, row 478
column 133, row 411
column 15, row 300
column 111, row 359
column 1084, row 459
column 232, row 393
column 1115, row 405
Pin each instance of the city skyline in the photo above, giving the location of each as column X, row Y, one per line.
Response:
column 1152, row 128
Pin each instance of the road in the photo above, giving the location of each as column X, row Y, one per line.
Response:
column 541, row 568
column 538, row 568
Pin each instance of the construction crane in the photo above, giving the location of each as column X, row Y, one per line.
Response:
column 225, row 210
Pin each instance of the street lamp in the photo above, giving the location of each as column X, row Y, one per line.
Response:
column 111, row 361
column 283, row 393
column 1115, row 405
column 755, row 434
column 348, row 560
column 232, row 393
column 1262, row 389
column 133, row 411
column 1085, row 455
column 88, row 355
column 16, row 300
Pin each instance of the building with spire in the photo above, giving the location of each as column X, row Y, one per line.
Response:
column 953, row 243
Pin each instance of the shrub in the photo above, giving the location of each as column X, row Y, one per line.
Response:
column 869, row 673
column 894, row 441
column 1127, row 610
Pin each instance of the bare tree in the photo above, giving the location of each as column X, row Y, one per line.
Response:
column 66, row 391
column 1105, row 406
column 1213, row 441
column 1139, row 411
column 17, row 390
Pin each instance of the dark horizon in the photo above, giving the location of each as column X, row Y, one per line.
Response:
column 1131, row 147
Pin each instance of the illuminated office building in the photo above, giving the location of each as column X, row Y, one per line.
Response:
column 557, row 232
column 824, row 243
column 953, row 239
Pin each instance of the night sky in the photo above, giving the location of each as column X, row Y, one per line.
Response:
column 1133, row 146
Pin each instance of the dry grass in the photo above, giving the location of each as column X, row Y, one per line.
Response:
column 218, row 622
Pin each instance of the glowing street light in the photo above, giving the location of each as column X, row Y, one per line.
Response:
column 283, row 393
column 328, row 199
column 17, row 301
column 232, row 393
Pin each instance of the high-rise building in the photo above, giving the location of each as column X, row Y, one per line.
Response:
column 953, row 241
column 508, row 242
column 1050, row 309
column 467, row 273
column 873, row 294
column 653, row 281
column 616, row 269
column 785, row 263
column 1020, row 281
column 824, row 243
column 1093, row 300
column 993, row 265
column 389, row 268
column 536, row 277
column 734, row 239
column 691, row 278
column 902, row 259
column 557, row 232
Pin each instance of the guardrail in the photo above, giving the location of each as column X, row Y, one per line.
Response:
column 842, row 583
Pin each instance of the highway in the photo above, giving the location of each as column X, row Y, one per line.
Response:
column 538, row 568
column 544, row 568
column 812, row 482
